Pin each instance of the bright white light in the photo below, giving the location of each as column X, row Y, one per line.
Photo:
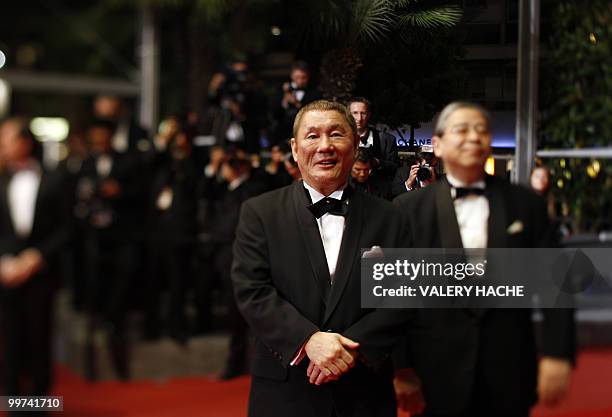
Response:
column 275, row 30
column 50, row 129
column 2, row 59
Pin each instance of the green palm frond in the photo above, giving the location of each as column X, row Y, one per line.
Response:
column 372, row 20
column 322, row 22
column 445, row 16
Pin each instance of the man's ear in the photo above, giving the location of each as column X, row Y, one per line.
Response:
column 293, row 143
column 436, row 142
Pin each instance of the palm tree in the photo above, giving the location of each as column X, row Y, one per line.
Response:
column 348, row 28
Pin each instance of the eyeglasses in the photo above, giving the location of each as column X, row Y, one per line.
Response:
column 464, row 128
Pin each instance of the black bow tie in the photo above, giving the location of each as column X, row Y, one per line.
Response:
column 461, row 192
column 331, row 205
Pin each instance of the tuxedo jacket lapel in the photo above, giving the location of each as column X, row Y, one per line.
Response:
column 312, row 240
column 349, row 249
column 496, row 235
column 450, row 237
column 4, row 203
column 376, row 144
column 38, row 210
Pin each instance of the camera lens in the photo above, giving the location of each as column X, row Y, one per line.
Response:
column 423, row 173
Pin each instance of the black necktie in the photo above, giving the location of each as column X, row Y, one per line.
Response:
column 331, row 205
column 461, row 192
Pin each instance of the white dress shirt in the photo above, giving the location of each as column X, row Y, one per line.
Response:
column 472, row 214
column 331, row 228
column 22, row 192
column 104, row 165
column 369, row 143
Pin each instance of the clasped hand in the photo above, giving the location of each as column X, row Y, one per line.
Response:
column 331, row 355
column 16, row 270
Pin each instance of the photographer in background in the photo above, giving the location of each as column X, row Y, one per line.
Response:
column 296, row 93
column 363, row 178
column 238, row 110
column 419, row 174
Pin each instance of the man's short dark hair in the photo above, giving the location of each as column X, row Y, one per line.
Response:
column 301, row 65
column 325, row 105
column 363, row 100
column 364, row 155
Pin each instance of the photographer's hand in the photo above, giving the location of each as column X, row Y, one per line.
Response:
column 412, row 177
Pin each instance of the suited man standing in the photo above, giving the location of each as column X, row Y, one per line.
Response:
column 33, row 231
column 296, row 281
column 381, row 145
column 295, row 93
column 480, row 362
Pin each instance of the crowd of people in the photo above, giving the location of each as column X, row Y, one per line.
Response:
column 149, row 223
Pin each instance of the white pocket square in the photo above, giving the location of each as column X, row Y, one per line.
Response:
column 374, row 252
column 515, row 227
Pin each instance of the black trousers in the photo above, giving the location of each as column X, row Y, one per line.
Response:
column 218, row 258
column 26, row 335
column 171, row 268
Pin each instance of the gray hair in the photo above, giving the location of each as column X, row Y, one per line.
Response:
column 440, row 125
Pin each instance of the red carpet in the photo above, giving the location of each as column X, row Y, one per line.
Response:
column 591, row 395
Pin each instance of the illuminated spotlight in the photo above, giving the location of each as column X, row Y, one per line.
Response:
column 275, row 30
column 490, row 166
column 50, row 129
column 2, row 59
column 591, row 171
column 592, row 38
column 596, row 166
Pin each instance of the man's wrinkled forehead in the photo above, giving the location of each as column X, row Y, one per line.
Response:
column 307, row 124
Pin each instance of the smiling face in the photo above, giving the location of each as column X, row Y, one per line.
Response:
column 465, row 144
column 324, row 148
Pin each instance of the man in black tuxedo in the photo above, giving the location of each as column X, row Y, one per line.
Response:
column 33, row 230
column 110, row 193
column 224, row 196
column 296, row 93
column 480, row 362
column 382, row 145
column 296, row 281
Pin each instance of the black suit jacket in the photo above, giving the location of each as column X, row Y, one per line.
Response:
column 177, row 223
column 285, row 116
column 384, row 148
column 398, row 186
column 51, row 228
column 128, row 207
column 492, row 354
column 282, row 286
column 223, row 206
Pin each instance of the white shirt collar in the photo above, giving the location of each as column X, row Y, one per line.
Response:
column 316, row 196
